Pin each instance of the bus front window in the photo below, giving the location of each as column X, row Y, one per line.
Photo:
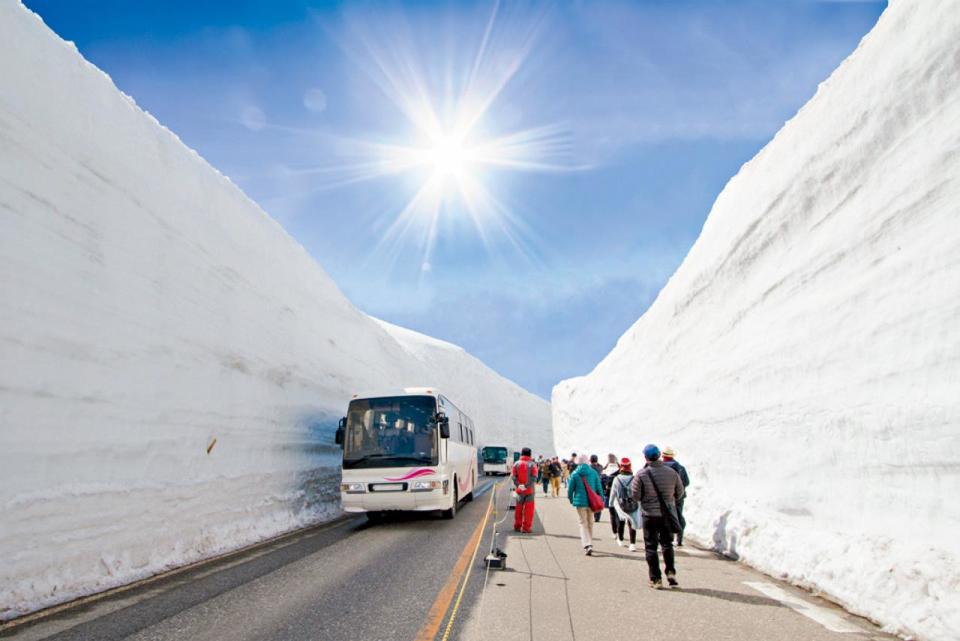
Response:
column 395, row 431
column 495, row 455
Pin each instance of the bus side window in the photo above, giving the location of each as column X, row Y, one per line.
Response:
column 461, row 431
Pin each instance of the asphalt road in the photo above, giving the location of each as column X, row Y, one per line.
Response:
column 348, row 581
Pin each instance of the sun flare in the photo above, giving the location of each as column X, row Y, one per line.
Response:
column 455, row 147
column 449, row 157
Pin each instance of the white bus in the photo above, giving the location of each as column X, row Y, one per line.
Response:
column 497, row 459
column 411, row 450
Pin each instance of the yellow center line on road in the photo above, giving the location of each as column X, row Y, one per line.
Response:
column 460, row 572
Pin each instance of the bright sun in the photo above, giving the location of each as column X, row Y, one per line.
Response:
column 456, row 148
column 448, row 157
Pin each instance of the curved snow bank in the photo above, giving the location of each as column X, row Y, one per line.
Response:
column 150, row 311
column 805, row 358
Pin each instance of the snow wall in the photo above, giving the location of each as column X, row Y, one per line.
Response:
column 148, row 307
column 804, row 359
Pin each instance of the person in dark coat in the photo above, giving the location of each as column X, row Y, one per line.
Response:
column 671, row 462
column 656, row 529
column 595, row 465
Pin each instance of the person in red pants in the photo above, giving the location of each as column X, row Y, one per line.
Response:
column 524, row 476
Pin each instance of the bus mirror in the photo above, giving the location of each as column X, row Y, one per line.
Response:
column 339, row 436
column 444, row 424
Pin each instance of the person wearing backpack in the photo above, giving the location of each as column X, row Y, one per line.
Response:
column 658, row 488
column 626, row 507
column 671, row 462
column 524, row 475
column 582, row 478
column 555, row 475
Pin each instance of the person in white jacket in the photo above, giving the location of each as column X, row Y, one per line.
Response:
column 609, row 472
column 619, row 499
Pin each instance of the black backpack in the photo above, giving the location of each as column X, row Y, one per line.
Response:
column 627, row 503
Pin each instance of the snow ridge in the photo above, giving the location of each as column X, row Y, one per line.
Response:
column 172, row 363
column 804, row 358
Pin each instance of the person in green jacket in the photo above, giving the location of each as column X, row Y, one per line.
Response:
column 577, row 493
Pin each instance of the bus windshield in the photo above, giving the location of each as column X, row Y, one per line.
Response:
column 395, row 431
column 495, row 454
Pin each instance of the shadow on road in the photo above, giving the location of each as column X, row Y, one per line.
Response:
column 735, row 597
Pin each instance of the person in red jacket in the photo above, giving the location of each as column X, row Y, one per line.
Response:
column 524, row 476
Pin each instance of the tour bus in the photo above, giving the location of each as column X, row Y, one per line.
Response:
column 408, row 450
column 497, row 459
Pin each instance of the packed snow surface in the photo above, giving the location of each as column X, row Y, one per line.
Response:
column 151, row 312
column 804, row 360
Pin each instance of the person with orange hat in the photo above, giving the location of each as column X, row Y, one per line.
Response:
column 671, row 462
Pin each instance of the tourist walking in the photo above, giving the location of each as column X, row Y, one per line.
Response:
column 595, row 465
column 671, row 462
column 524, row 475
column 555, row 475
column 544, row 466
column 658, row 488
column 565, row 472
column 583, row 477
column 624, row 508
column 609, row 472
column 540, row 480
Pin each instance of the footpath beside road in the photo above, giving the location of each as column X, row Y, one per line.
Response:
column 552, row 591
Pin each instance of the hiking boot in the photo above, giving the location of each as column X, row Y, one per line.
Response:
column 672, row 579
column 632, row 548
column 588, row 550
column 656, row 584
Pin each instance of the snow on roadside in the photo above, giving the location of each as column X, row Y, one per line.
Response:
column 172, row 363
column 805, row 357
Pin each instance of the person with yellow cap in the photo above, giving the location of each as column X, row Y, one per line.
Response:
column 670, row 461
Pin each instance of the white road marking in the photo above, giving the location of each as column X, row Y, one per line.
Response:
column 694, row 551
column 828, row 619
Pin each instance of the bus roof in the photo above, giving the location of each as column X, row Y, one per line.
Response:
column 405, row 391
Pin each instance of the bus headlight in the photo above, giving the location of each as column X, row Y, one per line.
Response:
column 353, row 488
column 425, row 486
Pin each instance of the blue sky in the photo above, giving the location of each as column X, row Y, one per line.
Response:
column 601, row 133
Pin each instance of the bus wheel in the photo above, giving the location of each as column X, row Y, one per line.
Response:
column 374, row 517
column 452, row 511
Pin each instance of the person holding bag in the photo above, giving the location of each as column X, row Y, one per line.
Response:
column 658, row 488
column 584, row 492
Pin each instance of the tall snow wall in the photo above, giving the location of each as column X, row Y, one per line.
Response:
column 804, row 359
column 148, row 307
